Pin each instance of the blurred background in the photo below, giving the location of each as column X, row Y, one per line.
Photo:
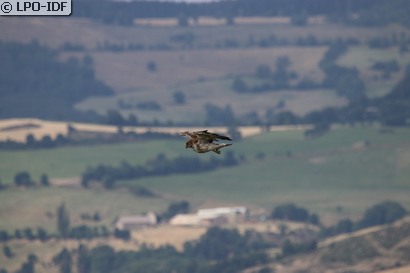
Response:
column 314, row 93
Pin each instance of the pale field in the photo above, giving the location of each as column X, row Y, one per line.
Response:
column 127, row 71
column 178, row 235
column 166, row 234
column 212, row 21
column 204, row 76
column 362, row 58
column 40, row 128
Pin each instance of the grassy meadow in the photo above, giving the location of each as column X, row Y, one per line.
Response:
column 71, row 161
column 336, row 170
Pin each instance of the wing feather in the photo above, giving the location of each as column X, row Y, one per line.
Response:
column 210, row 137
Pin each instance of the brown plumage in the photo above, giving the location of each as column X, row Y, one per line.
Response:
column 203, row 141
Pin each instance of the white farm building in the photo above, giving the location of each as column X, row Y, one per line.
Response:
column 214, row 216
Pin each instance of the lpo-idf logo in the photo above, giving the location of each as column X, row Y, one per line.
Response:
column 35, row 7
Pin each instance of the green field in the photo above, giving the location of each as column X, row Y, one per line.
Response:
column 321, row 174
column 351, row 168
column 72, row 161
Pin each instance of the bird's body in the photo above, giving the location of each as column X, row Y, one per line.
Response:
column 201, row 147
column 203, row 141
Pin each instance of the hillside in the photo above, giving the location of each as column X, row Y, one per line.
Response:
column 316, row 104
column 384, row 249
column 147, row 65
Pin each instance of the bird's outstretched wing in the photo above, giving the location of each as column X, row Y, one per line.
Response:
column 209, row 137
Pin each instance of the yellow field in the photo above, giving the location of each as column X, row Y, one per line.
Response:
column 165, row 234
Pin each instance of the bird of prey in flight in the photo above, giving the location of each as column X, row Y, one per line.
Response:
column 204, row 141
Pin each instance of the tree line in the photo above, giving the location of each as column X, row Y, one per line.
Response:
column 218, row 250
column 159, row 166
column 24, row 179
column 78, row 137
column 125, row 12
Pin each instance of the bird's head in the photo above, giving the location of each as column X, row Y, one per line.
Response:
column 189, row 144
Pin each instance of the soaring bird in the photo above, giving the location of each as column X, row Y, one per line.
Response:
column 204, row 141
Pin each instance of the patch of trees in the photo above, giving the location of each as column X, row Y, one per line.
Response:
column 394, row 107
column 159, row 166
column 26, row 233
column 390, row 110
column 120, row 47
column 346, row 81
column 29, row 69
column 384, row 12
column 188, row 40
column 386, row 68
column 217, row 115
column 280, row 79
column 65, row 230
column 291, row 212
column 24, row 179
column 218, row 250
column 32, row 143
column 175, row 208
column 382, row 213
column 29, row 265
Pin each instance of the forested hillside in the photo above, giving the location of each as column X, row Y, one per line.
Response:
column 34, row 83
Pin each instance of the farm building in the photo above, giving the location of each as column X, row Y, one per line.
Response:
column 185, row 220
column 224, row 211
column 136, row 221
column 209, row 217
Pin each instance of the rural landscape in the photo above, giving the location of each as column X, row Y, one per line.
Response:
column 315, row 96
